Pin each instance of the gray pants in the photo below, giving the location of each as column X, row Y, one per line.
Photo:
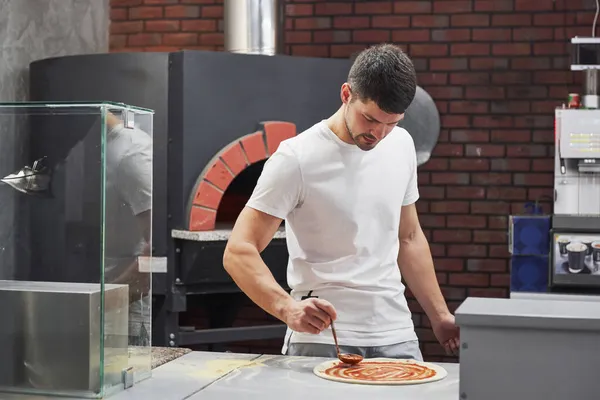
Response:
column 408, row 350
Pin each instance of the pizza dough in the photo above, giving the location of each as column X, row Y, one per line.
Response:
column 381, row 371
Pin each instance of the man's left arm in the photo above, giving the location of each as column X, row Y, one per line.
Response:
column 417, row 269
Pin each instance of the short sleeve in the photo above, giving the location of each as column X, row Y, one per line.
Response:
column 279, row 188
column 412, row 189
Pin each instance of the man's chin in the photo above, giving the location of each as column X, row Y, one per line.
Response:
column 366, row 146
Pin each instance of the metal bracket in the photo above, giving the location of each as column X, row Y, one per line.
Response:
column 129, row 119
column 128, row 377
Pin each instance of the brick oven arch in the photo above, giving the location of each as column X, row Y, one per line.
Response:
column 227, row 164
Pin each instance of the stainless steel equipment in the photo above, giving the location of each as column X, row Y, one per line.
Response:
column 52, row 337
column 528, row 349
column 577, row 162
column 254, row 26
column 585, row 57
column 575, row 239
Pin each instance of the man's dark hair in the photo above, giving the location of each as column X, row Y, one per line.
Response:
column 385, row 75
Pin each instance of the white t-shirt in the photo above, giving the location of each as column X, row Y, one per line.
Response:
column 342, row 210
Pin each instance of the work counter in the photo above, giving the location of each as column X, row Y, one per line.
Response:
column 218, row 376
column 221, row 376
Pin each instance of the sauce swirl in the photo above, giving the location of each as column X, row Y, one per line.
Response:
column 383, row 371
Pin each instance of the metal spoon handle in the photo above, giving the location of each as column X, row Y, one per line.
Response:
column 337, row 347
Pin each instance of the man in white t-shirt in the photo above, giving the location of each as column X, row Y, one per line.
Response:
column 346, row 188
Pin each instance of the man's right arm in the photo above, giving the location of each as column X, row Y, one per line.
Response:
column 277, row 192
column 242, row 261
column 252, row 233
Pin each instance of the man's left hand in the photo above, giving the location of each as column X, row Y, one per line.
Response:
column 447, row 333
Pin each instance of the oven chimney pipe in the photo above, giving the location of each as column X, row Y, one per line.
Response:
column 254, row 26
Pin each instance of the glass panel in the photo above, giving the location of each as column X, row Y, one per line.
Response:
column 74, row 278
column 128, row 240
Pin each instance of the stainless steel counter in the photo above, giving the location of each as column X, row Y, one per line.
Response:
column 291, row 378
column 220, row 376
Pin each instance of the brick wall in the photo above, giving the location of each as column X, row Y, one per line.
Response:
column 496, row 69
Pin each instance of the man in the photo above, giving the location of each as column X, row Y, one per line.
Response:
column 346, row 188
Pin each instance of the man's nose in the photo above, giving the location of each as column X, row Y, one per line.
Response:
column 378, row 132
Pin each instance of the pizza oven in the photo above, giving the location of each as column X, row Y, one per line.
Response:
column 219, row 116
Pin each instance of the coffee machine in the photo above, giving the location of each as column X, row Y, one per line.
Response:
column 575, row 233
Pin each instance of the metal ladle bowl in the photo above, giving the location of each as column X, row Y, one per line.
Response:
column 346, row 358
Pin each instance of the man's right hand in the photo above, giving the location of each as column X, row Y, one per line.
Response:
column 310, row 315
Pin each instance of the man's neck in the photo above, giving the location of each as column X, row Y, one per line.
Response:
column 338, row 126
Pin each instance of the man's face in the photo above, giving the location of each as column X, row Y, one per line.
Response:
column 367, row 125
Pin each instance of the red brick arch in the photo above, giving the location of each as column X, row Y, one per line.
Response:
column 229, row 163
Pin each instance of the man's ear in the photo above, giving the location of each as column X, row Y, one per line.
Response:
column 345, row 93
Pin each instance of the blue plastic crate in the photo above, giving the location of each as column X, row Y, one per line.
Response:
column 529, row 274
column 529, row 235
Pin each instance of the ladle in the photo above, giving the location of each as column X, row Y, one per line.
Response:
column 351, row 359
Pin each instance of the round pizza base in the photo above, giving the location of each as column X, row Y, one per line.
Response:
column 441, row 373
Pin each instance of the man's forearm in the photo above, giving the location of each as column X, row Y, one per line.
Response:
column 246, row 267
column 416, row 266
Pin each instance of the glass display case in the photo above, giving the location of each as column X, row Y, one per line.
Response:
column 75, row 248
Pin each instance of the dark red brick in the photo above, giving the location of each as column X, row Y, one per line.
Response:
column 390, row 21
column 469, row 136
column 449, row 178
column 466, row 221
column 470, row 20
column 511, row 49
column 469, row 49
column 528, row 5
column 485, row 92
column 481, row 236
column 161, row 26
column 373, row 7
column 202, row 25
column 341, row 23
column 182, row 11
column 333, row 8
column 531, row 34
column 484, row 150
column 491, row 178
column 506, row 193
column 511, row 136
column 412, row 7
column 465, row 192
column 487, row 63
column 492, row 121
column 371, row 36
column 490, row 207
column 118, row 28
column 430, row 21
column 452, row 207
column 487, row 265
column 494, row 5
column 144, row 39
column 491, row 34
column 448, row 64
column 451, row 35
column 295, row 10
column 511, row 19
column 452, row 236
column 470, row 164
column 454, row 6
column 512, row 164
